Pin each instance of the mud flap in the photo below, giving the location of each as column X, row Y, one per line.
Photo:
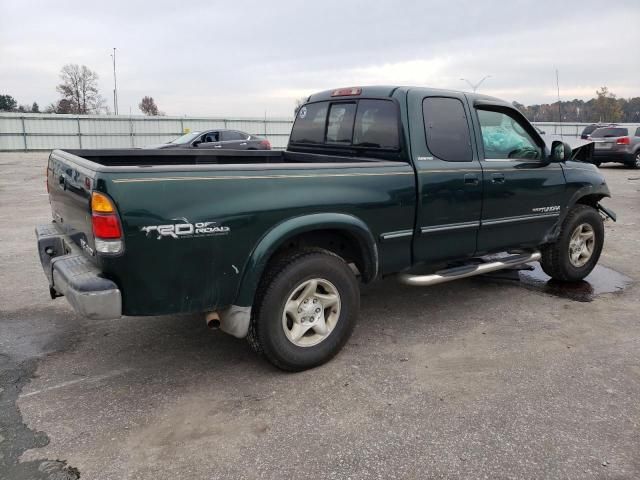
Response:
column 608, row 213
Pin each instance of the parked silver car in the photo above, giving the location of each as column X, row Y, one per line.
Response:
column 620, row 144
column 218, row 139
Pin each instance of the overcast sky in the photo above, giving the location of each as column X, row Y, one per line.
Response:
column 246, row 58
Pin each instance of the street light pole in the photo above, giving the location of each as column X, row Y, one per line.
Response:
column 474, row 86
column 115, row 84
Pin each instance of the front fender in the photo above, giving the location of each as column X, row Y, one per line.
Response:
column 292, row 227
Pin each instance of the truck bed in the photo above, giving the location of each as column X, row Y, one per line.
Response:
column 153, row 158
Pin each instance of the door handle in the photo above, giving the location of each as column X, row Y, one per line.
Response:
column 217, row 146
column 243, row 143
column 497, row 178
column 471, row 179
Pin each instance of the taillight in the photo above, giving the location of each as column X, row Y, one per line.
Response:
column 623, row 141
column 107, row 231
column 106, row 226
column 266, row 144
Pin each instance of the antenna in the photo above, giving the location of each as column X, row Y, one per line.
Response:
column 559, row 108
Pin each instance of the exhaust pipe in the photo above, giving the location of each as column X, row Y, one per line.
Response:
column 465, row 271
column 213, row 320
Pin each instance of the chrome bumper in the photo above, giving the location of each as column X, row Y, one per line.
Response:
column 73, row 275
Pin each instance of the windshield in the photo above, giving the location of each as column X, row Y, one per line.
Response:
column 609, row 132
column 186, row 138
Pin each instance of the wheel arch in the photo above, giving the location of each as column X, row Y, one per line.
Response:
column 587, row 195
column 330, row 231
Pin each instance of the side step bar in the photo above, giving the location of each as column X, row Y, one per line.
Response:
column 465, row 271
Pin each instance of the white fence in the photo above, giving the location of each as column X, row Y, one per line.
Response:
column 35, row 131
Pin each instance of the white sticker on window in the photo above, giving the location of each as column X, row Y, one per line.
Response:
column 303, row 112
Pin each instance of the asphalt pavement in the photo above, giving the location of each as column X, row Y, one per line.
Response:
column 481, row 378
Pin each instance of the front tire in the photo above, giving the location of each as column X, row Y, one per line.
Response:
column 578, row 247
column 305, row 310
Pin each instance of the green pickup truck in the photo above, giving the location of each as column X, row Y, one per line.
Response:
column 428, row 185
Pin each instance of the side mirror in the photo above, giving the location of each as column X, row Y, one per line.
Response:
column 560, row 151
column 196, row 143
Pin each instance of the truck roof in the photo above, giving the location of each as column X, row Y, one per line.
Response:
column 389, row 90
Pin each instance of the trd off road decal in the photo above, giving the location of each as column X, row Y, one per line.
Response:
column 186, row 229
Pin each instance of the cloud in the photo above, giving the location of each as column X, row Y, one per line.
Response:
column 248, row 57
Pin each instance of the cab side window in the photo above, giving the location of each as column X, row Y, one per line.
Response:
column 447, row 129
column 504, row 137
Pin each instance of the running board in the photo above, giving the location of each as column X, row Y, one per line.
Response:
column 465, row 271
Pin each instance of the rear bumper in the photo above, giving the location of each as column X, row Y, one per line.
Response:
column 72, row 274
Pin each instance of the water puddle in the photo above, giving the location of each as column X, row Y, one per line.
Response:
column 601, row 280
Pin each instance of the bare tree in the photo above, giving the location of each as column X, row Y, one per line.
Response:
column 79, row 88
column 148, row 106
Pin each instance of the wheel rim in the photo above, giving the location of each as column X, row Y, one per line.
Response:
column 311, row 312
column 638, row 160
column 583, row 240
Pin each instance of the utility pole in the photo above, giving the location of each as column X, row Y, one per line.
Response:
column 474, row 86
column 558, row 87
column 115, row 84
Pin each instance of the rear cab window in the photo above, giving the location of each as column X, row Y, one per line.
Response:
column 609, row 132
column 363, row 124
column 340, row 123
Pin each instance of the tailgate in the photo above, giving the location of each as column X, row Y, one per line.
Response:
column 69, row 185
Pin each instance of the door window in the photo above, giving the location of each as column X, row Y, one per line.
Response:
column 447, row 129
column 504, row 137
column 210, row 137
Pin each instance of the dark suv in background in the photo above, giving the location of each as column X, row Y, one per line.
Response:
column 589, row 129
column 219, row 138
column 619, row 144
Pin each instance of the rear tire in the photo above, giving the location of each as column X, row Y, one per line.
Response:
column 577, row 250
column 305, row 310
column 635, row 163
